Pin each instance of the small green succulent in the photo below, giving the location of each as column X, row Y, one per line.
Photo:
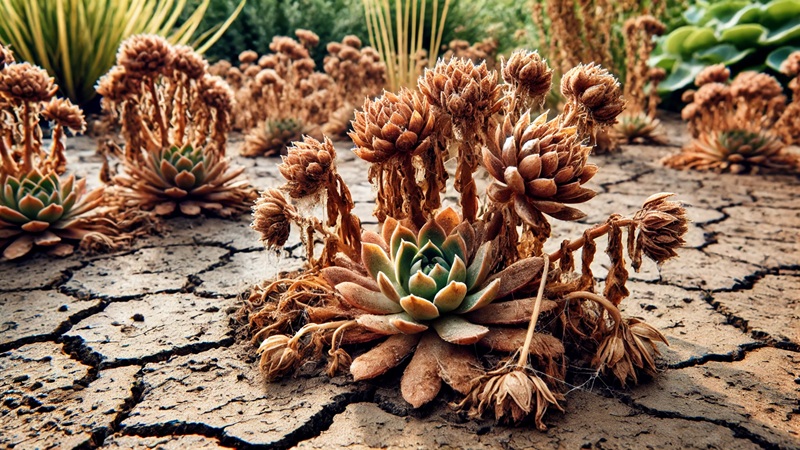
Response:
column 184, row 168
column 39, row 209
column 428, row 279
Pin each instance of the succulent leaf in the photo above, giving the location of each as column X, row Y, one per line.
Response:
column 479, row 299
column 419, row 308
column 450, row 297
column 457, row 330
column 370, row 301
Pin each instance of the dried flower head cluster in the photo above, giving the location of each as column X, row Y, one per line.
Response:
column 443, row 288
column 280, row 96
column 639, row 124
column 175, row 120
column 738, row 126
column 788, row 126
column 481, row 51
column 39, row 207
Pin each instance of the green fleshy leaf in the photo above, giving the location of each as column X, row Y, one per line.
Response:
column 429, row 250
column 776, row 12
column 743, row 36
column 779, row 55
column 450, row 297
column 439, row 274
column 422, row 285
column 8, row 196
column 673, row 43
column 367, row 300
column 698, row 40
column 419, row 308
column 455, row 330
column 478, row 300
column 51, row 213
column 750, row 13
column 682, row 77
column 431, row 232
column 664, row 61
column 454, row 246
column 723, row 54
column 790, row 31
column 184, row 163
column 403, row 262
column 458, row 272
column 399, row 235
column 30, row 206
column 376, row 260
column 389, row 289
column 12, row 215
column 480, row 267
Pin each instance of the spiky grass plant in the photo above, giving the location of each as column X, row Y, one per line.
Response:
column 738, row 126
column 38, row 206
column 453, row 292
column 639, row 124
column 175, row 120
column 57, row 34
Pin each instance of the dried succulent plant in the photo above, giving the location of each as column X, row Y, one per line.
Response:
column 449, row 288
column 38, row 206
column 738, row 126
column 175, row 120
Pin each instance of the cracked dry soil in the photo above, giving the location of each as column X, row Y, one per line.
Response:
column 137, row 349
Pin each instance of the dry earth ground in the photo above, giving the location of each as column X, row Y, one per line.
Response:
column 136, row 349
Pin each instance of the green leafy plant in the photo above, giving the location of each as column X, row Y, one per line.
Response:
column 57, row 35
column 743, row 35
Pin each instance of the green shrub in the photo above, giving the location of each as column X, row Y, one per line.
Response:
column 76, row 41
column 743, row 35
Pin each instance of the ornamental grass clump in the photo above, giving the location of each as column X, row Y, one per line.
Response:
column 463, row 292
column 175, row 121
column 639, row 124
column 39, row 205
column 738, row 126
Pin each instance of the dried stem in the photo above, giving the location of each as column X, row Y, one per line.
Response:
column 592, row 233
column 613, row 311
column 537, row 306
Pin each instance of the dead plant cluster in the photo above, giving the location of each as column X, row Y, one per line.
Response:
column 175, row 120
column 481, row 51
column 638, row 124
column 39, row 205
column 456, row 289
column 280, row 96
column 741, row 125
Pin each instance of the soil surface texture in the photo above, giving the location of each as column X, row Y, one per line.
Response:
column 138, row 349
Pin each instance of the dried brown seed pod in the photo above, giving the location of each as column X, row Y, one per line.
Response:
column 248, row 57
column 189, row 62
column 595, row 91
column 307, row 37
column 216, row 93
column 538, row 166
column 64, row 113
column 529, row 74
column 466, row 91
column 791, row 65
column 751, row 85
column 662, row 224
column 717, row 73
column 308, row 166
column 352, row 41
column 24, row 82
column 271, row 218
column 391, row 125
column 6, row 56
column 145, row 55
column 712, row 95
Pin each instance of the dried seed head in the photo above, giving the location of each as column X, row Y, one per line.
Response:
column 651, row 25
column 220, row 68
column 662, row 225
column 115, row 85
column 538, row 166
column 393, row 125
column 267, row 77
column 248, row 57
column 529, row 74
column 751, row 85
column 467, row 92
column 251, row 71
column 657, row 74
column 277, row 356
column 712, row 95
column 308, row 166
column 289, row 47
column 791, row 65
column 145, row 55
column 216, row 93
column 595, row 91
column 189, row 62
column 24, row 82
column 307, row 37
column 352, row 41
column 64, row 113
column 271, row 215
column 717, row 73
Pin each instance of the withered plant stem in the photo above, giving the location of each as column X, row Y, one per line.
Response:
column 26, row 157
column 613, row 311
column 537, row 306
column 158, row 116
column 593, row 233
column 318, row 327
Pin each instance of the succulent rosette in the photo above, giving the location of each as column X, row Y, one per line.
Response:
column 189, row 178
column 37, row 209
column 427, row 289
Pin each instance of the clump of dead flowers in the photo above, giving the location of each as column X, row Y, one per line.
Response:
column 281, row 97
column 738, row 125
column 639, row 124
column 481, row 51
column 445, row 287
column 39, row 206
column 175, row 121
